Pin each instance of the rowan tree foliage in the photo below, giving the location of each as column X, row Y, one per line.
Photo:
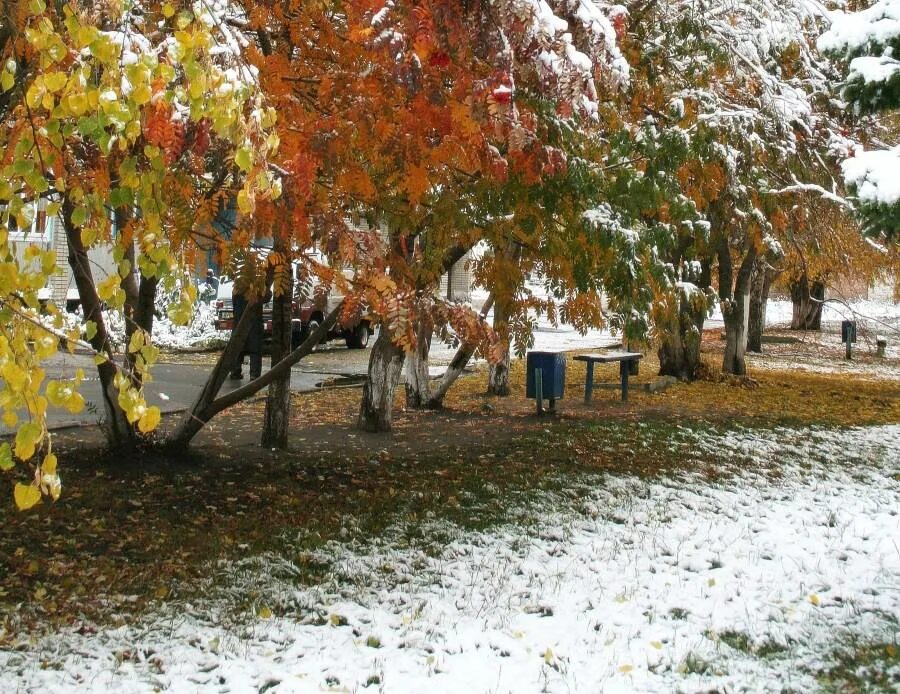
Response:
column 418, row 123
column 124, row 119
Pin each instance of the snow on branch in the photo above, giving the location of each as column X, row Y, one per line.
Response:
column 798, row 187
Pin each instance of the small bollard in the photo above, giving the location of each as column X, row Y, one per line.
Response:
column 539, row 390
column 880, row 346
column 848, row 336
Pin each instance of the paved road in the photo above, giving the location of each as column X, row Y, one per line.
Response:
column 175, row 386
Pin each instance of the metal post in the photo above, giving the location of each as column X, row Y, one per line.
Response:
column 539, row 390
column 589, row 383
column 849, row 354
column 624, row 368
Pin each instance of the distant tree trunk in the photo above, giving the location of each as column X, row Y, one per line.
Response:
column 278, row 398
column 118, row 430
column 735, row 308
column 385, row 367
column 458, row 364
column 807, row 303
column 760, row 283
column 418, row 387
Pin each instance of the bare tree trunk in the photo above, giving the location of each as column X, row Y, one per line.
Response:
column 735, row 309
column 278, row 399
column 760, row 284
column 119, row 431
column 418, row 386
column 458, row 364
column 807, row 303
column 385, row 367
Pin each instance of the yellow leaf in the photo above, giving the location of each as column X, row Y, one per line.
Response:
column 107, row 288
column 548, row 656
column 814, row 599
column 149, row 420
column 48, row 467
column 26, row 496
column 27, row 438
column 264, row 612
column 14, row 375
column 657, row 645
column 626, row 668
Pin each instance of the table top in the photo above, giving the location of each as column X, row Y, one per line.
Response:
column 610, row 356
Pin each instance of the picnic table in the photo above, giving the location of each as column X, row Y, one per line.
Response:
column 625, row 359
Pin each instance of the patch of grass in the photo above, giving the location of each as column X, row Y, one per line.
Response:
column 871, row 667
column 679, row 613
column 741, row 641
column 693, row 664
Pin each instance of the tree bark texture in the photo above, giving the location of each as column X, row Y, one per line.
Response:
column 118, row 430
column 807, row 299
column 278, row 399
column 385, row 368
column 735, row 309
column 760, row 283
column 418, row 385
column 498, row 373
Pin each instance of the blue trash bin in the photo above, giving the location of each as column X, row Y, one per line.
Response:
column 553, row 374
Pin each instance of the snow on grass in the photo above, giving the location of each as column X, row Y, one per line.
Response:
column 746, row 578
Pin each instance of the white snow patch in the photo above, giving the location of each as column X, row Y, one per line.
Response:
column 624, row 586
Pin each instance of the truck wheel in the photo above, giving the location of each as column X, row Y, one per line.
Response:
column 358, row 338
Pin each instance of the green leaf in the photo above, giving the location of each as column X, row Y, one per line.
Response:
column 7, row 81
column 80, row 215
column 6, row 460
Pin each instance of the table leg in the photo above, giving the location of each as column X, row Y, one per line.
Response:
column 624, row 369
column 589, row 383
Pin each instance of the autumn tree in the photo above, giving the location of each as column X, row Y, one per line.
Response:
column 110, row 119
column 738, row 114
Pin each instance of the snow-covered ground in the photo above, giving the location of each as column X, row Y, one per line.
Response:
column 611, row 584
column 875, row 315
